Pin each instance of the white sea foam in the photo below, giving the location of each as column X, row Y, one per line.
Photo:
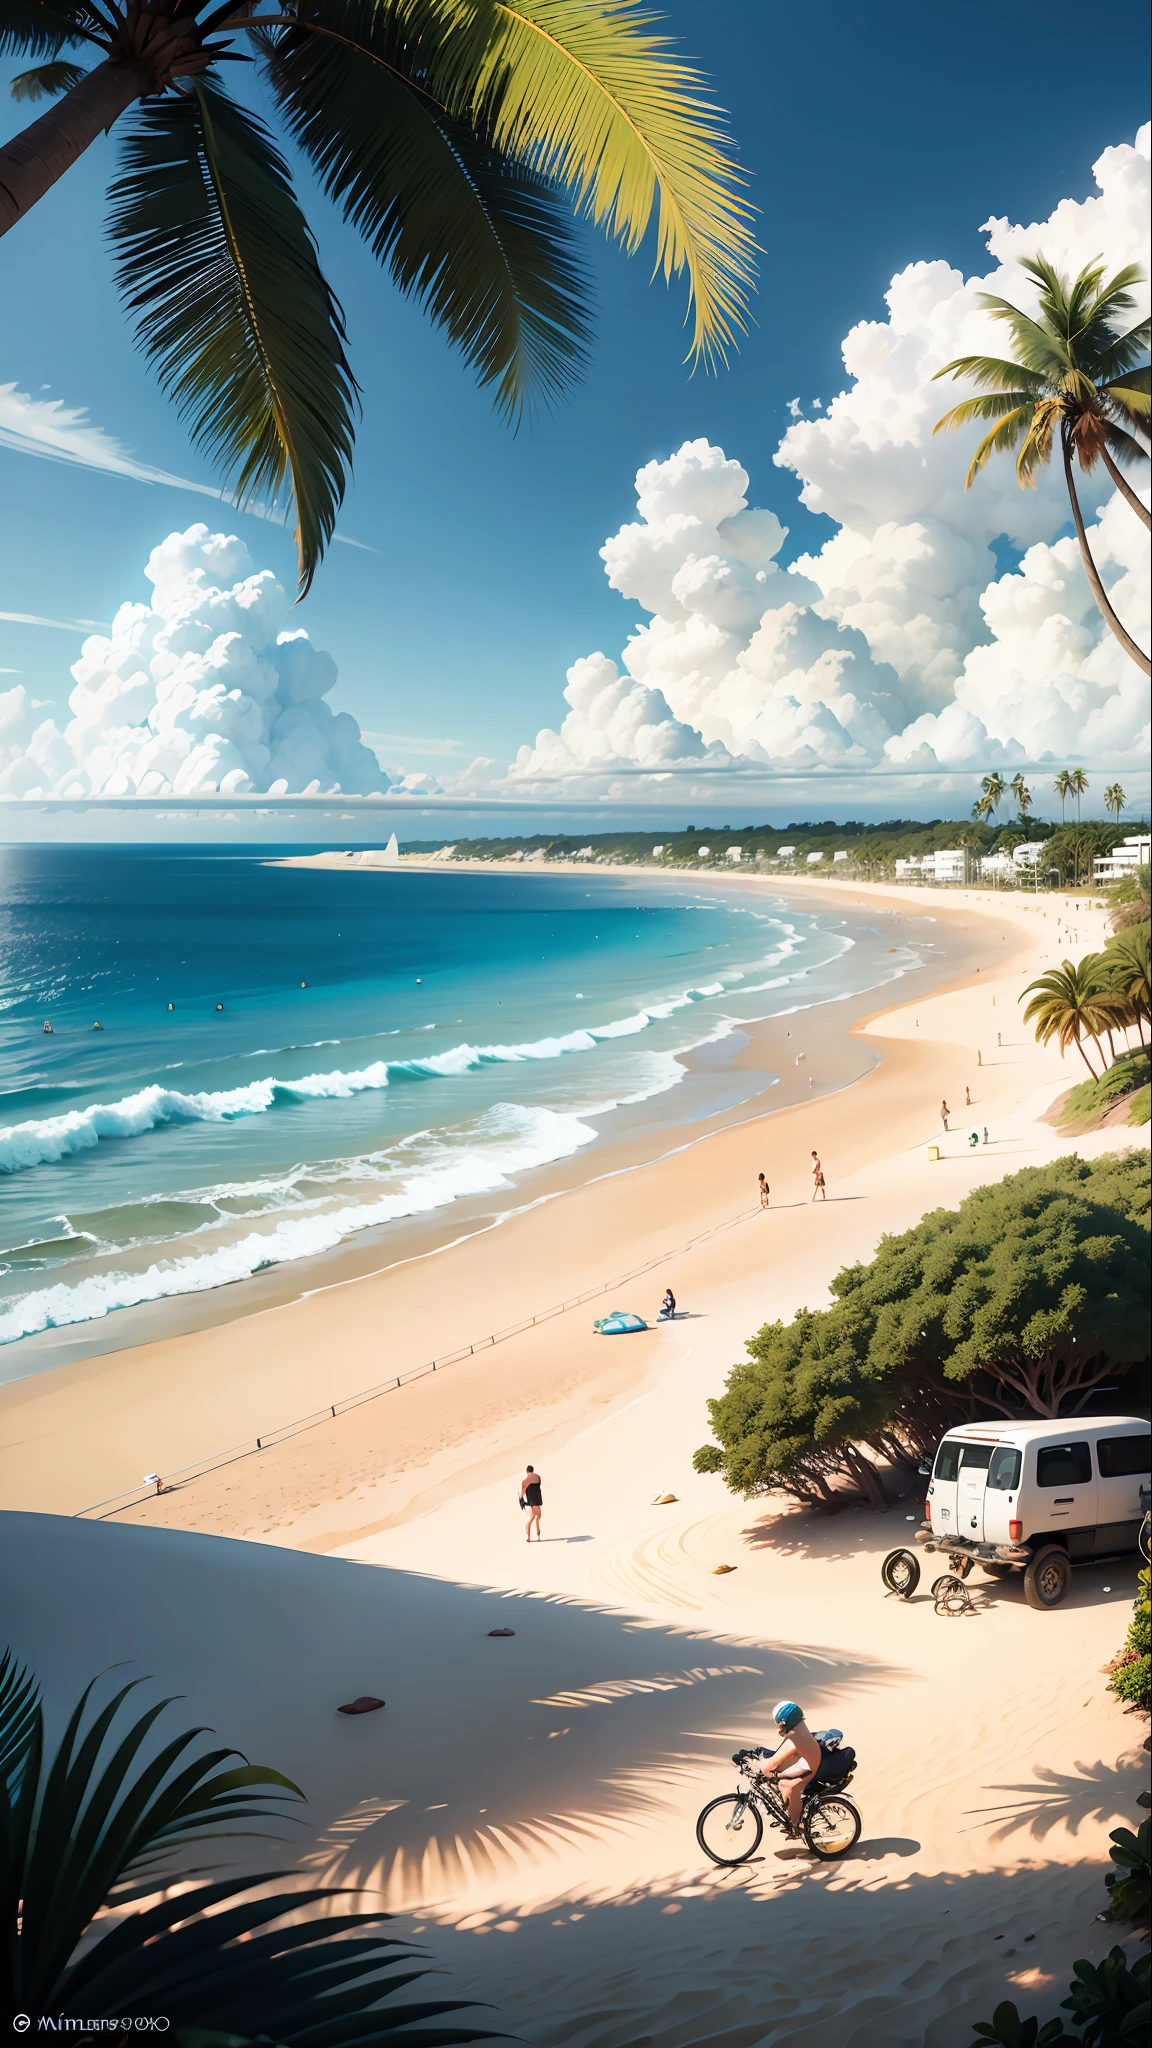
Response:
column 519, row 1138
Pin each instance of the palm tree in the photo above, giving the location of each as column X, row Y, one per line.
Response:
column 1115, row 801
column 1070, row 1001
column 99, row 1915
column 1077, row 784
column 457, row 136
column 1074, row 376
column 1062, row 787
column 992, row 792
column 1023, row 796
column 1125, row 966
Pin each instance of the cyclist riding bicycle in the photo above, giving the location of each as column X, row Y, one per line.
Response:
column 796, row 1761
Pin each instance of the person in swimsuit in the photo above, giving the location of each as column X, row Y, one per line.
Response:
column 818, row 1187
column 764, row 1192
column 797, row 1761
column 532, row 1498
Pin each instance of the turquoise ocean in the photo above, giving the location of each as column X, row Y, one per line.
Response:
column 291, row 1057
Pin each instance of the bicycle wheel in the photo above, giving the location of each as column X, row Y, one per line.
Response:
column 730, row 1829
column 900, row 1572
column 831, row 1827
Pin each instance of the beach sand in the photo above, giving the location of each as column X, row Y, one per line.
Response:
column 529, row 1803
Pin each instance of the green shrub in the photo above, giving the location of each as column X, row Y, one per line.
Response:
column 1108, row 2003
column 1140, row 1111
column 1131, row 1680
column 1130, row 1884
column 1091, row 1100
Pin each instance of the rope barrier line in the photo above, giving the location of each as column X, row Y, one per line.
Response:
column 135, row 1495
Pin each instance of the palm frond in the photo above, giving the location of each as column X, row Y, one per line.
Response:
column 1043, row 350
column 45, row 81
column 993, row 372
column 216, row 260
column 42, row 28
column 1131, row 393
column 584, row 94
column 995, row 406
column 1124, row 448
column 481, row 241
column 19, row 1706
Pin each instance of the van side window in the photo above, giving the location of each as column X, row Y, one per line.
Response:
column 1004, row 1471
column 1118, row 1456
column 1063, row 1464
column 977, row 1455
column 947, row 1461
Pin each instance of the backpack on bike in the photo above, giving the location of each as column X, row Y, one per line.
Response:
column 835, row 1765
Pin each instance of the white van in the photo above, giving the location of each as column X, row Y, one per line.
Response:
column 1041, row 1496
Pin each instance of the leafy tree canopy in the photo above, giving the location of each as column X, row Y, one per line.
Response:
column 1019, row 1302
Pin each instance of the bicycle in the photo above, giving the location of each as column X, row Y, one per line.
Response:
column 830, row 1823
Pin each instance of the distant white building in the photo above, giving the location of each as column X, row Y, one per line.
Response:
column 997, row 867
column 814, row 858
column 786, row 853
column 391, row 858
column 734, row 853
column 656, row 852
column 1028, row 854
column 1124, row 859
column 948, row 864
column 839, row 856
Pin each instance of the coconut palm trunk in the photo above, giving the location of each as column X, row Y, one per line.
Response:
column 1125, row 489
column 35, row 159
column 1090, row 569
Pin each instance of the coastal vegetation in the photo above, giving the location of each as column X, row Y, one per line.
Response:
column 1093, row 998
column 1074, row 380
column 1131, row 1672
column 870, row 851
column 458, row 137
column 104, row 1913
column 1020, row 1302
column 1125, row 1082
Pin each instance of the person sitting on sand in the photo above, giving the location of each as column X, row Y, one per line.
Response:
column 796, row 1761
column 532, row 1499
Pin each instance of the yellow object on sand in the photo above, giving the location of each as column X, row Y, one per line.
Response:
column 662, row 1500
column 718, row 1568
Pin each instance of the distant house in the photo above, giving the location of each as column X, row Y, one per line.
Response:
column 949, row 864
column 785, row 853
column 1123, row 860
column 1027, row 855
column 656, row 852
column 734, row 853
column 813, row 858
column 839, row 856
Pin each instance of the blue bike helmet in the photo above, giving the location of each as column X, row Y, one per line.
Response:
column 787, row 1715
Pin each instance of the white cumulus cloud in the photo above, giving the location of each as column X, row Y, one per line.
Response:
column 202, row 690
column 896, row 645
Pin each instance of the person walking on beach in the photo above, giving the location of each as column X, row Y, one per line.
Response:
column 765, row 1191
column 967, row 1096
column 818, row 1187
column 945, row 1113
column 532, row 1499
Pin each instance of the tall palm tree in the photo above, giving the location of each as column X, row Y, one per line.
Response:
column 101, row 1916
column 1126, row 968
column 1062, row 787
column 458, row 136
column 993, row 789
column 1077, row 784
column 1070, row 1002
column 1115, row 801
column 1074, row 377
column 1023, row 796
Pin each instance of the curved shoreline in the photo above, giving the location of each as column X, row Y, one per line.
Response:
column 92, row 1427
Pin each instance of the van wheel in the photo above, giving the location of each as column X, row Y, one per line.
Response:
column 1048, row 1577
column 900, row 1572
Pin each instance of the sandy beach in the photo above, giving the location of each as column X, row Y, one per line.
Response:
column 527, row 1805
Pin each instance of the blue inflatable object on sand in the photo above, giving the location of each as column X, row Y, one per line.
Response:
column 618, row 1323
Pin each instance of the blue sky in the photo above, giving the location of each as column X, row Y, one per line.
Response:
column 873, row 138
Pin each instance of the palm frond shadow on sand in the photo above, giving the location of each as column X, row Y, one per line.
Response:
column 1101, row 1793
